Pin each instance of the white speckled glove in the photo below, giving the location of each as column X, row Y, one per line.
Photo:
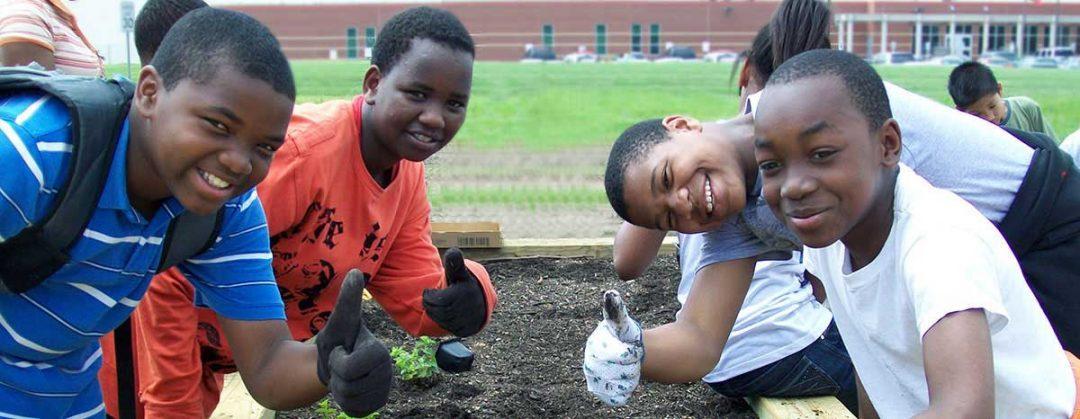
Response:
column 613, row 353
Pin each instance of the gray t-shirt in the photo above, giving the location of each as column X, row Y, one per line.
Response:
column 952, row 150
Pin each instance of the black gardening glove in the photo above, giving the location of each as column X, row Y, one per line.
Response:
column 353, row 364
column 460, row 307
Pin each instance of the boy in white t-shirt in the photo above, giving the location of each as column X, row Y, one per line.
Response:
column 929, row 299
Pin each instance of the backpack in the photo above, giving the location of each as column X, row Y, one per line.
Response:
column 98, row 109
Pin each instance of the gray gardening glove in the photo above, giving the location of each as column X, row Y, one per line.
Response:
column 614, row 353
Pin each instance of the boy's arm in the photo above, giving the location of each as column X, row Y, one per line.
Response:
column 279, row 372
column 690, row 347
column 635, row 249
column 1042, row 123
column 959, row 366
column 866, row 408
column 25, row 37
column 346, row 358
column 413, row 273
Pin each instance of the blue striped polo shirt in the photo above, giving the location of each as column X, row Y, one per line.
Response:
column 49, row 351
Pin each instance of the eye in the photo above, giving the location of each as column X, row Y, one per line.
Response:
column 769, row 167
column 822, row 155
column 416, row 94
column 267, row 150
column 456, row 106
column 217, row 125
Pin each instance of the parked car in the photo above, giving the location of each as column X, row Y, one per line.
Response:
column 998, row 58
column 580, row 57
column 892, row 58
column 1060, row 54
column 538, row 55
column 677, row 53
column 632, row 57
column 720, row 57
column 1038, row 62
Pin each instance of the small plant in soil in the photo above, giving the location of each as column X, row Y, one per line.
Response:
column 416, row 365
column 327, row 411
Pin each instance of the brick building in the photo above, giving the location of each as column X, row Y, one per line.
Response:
column 503, row 29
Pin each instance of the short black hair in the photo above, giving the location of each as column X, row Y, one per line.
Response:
column 440, row 26
column 154, row 21
column 864, row 86
column 970, row 82
column 206, row 40
column 630, row 147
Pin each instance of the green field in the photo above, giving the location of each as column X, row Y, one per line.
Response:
column 550, row 106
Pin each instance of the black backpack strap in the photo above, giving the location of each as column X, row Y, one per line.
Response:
column 189, row 234
column 98, row 109
column 125, row 371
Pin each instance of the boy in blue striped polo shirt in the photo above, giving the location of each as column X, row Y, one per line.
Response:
column 206, row 118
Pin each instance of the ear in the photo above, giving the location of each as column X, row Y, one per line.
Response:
column 676, row 123
column 148, row 91
column 891, row 143
column 999, row 88
column 744, row 74
column 371, row 84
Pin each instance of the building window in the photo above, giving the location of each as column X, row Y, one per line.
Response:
column 932, row 36
column 1064, row 38
column 601, row 39
column 964, row 29
column 1031, row 39
column 350, row 42
column 1046, row 36
column 654, row 39
column 548, row 36
column 369, row 37
column 997, row 38
column 635, row 38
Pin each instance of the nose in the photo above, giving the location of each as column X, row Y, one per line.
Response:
column 797, row 186
column 679, row 203
column 237, row 162
column 432, row 117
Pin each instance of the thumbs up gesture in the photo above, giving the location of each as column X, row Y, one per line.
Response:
column 352, row 363
column 613, row 353
column 460, row 307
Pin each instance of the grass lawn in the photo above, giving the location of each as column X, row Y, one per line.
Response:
column 552, row 106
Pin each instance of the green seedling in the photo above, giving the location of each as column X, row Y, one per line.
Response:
column 417, row 364
column 326, row 411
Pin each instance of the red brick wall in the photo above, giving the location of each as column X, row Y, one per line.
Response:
column 502, row 29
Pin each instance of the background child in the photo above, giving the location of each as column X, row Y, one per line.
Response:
column 346, row 191
column 928, row 296
column 783, row 343
column 46, row 32
column 975, row 90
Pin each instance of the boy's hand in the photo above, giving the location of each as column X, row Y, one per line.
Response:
column 459, row 308
column 613, row 353
column 353, row 364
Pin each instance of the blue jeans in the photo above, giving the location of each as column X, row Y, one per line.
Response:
column 823, row 368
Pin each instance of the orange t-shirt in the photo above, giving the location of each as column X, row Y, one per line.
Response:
column 327, row 215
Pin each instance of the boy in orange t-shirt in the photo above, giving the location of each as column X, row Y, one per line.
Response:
column 346, row 191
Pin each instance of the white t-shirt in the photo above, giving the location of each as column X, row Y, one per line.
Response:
column 779, row 316
column 942, row 257
column 957, row 152
column 1071, row 145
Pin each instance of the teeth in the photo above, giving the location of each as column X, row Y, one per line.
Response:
column 215, row 181
column 708, row 196
column 424, row 138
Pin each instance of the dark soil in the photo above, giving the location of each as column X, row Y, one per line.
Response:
column 528, row 360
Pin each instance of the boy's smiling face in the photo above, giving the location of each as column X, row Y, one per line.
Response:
column 204, row 143
column 419, row 105
column 686, row 183
column 990, row 107
column 821, row 163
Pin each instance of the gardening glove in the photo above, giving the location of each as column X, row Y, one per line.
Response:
column 460, row 307
column 613, row 353
column 352, row 363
